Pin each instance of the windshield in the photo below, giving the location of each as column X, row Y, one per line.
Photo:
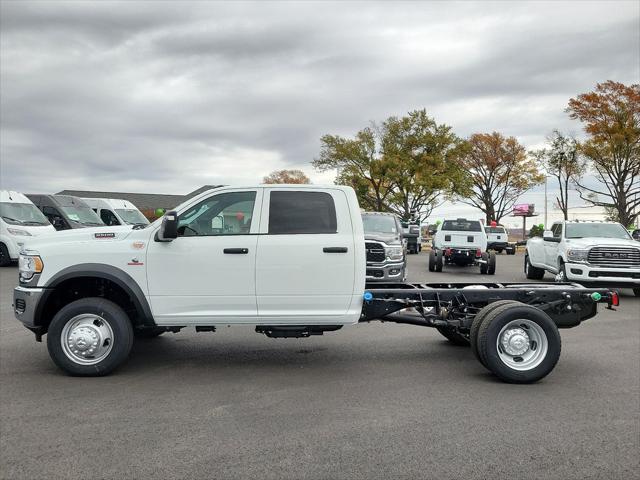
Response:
column 461, row 226
column 22, row 214
column 495, row 230
column 379, row 224
column 602, row 230
column 82, row 215
column 132, row 217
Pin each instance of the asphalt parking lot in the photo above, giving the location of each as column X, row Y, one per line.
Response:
column 370, row 401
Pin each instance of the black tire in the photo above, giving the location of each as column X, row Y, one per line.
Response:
column 453, row 336
column 531, row 272
column 145, row 333
column 432, row 260
column 484, row 267
column 488, row 336
column 561, row 277
column 5, row 259
column 636, row 292
column 477, row 322
column 439, row 260
column 491, row 266
column 511, row 251
column 498, row 250
column 116, row 319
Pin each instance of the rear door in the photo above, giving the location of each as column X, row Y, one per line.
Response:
column 305, row 267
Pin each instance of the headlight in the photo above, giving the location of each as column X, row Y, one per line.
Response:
column 18, row 232
column 394, row 253
column 577, row 255
column 28, row 266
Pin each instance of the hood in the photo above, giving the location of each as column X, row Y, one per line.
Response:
column 600, row 242
column 388, row 238
column 93, row 234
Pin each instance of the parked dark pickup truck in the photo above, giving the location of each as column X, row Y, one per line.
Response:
column 386, row 255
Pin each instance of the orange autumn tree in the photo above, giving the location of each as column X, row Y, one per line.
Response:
column 286, row 176
column 611, row 118
column 500, row 172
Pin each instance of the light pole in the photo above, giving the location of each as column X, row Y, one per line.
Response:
column 546, row 178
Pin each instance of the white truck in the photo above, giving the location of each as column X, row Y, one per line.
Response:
column 20, row 220
column 461, row 242
column 589, row 252
column 114, row 211
column 289, row 259
column 498, row 239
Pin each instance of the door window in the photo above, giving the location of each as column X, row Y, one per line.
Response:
column 224, row 214
column 54, row 217
column 108, row 217
column 557, row 230
column 301, row 212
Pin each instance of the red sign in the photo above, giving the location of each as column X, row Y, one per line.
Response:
column 523, row 210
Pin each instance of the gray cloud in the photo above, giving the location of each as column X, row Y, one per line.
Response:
column 160, row 96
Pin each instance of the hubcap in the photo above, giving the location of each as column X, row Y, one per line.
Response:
column 87, row 339
column 522, row 344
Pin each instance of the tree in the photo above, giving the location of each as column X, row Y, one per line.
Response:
column 536, row 231
column 500, row 172
column 286, row 176
column 404, row 165
column 562, row 161
column 611, row 117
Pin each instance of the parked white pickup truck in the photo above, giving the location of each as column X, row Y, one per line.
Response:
column 585, row 252
column 289, row 260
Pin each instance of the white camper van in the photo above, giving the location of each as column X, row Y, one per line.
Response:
column 113, row 211
column 19, row 220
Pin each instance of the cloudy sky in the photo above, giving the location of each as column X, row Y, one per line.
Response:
column 165, row 97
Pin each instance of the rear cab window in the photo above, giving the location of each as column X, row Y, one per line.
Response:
column 461, row 226
column 300, row 212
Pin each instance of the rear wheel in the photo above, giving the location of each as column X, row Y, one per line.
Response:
column 454, row 336
column 90, row 337
column 477, row 322
column 484, row 267
column 531, row 272
column 432, row 260
column 491, row 265
column 439, row 260
column 519, row 343
column 5, row 259
column 636, row 292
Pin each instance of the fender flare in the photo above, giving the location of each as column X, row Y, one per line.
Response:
column 107, row 272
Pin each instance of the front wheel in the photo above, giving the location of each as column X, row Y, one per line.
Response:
column 90, row 337
column 531, row 272
column 519, row 343
column 5, row 259
column 562, row 273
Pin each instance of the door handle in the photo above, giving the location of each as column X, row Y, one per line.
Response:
column 335, row 249
column 236, row 251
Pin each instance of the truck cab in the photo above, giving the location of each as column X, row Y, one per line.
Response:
column 585, row 252
column 113, row 211
column 66, row 212
column 386, row 254
column 20, row 220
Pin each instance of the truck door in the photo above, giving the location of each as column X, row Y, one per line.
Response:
column 306, row 258
column 207, row 274
column 551, row 246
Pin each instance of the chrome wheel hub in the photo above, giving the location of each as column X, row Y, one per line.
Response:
column 522, row 344
column 87, row 339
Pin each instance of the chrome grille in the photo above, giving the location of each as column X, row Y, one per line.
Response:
column 375, row 252
column 615, row 256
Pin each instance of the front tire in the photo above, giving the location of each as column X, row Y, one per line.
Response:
column 561, row 276
column 477, row 323
column 5, row 259
column 531, row 272
column 90, row 337
column 519, row 343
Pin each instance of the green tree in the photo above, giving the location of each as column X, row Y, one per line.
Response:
column 611, row 118
column 405, row 165
column 561, row 160
column 536, row 231
column 500, row 172
column 287, row 177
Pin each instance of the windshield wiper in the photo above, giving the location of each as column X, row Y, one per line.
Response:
column 13, row 219
column 92, row 223
column 33, row 223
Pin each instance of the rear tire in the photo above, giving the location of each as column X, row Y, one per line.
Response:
column 439, row 260
column 90, row 337
column 519, row 343
column 432, row 260
column 531, row 272
column 5, row 259
column 484, row 267
column 636, row 292
column 477, row 323
column 491, row 266
column 453, row 336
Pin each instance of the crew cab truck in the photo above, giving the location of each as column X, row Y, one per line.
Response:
column 461, row 242
column 386, row 254
column 498, row 240
column 590, row 252
column 20, row 220
column 288, row 259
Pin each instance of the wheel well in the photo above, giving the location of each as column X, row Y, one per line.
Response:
column 76, row 288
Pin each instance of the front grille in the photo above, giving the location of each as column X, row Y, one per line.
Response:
column 597, row 274
column 375, row 252
column 615, row 256
column 21, row 305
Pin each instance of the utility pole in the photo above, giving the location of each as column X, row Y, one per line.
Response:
column 546, row 178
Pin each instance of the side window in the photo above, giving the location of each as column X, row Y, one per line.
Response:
column 301, row 212
column 54, row 217
column 557, row 230
column 108, row 217
column 224, row 214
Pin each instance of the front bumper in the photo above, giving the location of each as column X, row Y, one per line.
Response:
column 25, row 302
column 390, row 272
column 585, row 273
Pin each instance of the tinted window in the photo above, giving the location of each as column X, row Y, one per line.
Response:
column 302, row 212
column 461, row 225
column 224, row 214
column 495, row 230
column 557, row 230
column 108, row 217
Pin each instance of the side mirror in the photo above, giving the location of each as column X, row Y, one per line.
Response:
column 169, row 228
column 547, row 233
